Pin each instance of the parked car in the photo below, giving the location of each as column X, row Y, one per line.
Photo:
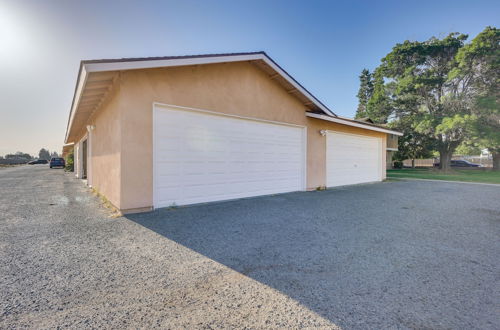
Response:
column 38, row 161
column 460, row 163
column 57, row 162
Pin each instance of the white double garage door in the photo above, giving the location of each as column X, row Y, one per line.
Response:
column 201, row 156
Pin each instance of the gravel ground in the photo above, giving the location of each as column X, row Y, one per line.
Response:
column 390, row 255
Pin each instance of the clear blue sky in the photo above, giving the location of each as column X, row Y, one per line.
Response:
column 323, row 44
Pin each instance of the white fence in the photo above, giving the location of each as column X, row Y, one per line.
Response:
column 429, row 162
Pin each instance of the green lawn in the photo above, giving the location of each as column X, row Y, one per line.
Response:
column 470, row 175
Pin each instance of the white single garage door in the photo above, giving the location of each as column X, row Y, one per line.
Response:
column 352, row 159
column 203, row 156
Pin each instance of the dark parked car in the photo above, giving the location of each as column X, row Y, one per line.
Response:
column 57, row 162
column 38, row 161
column 460, row 163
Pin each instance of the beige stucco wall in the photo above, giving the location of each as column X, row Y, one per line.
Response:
column 106, row 150
column 231, row 88
column 104, row 143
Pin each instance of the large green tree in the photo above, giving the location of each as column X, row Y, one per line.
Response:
column 374, row 97
column 365, row 93
column 381, row 103
column 479, row 63
column 44, row 154
column 423, row 89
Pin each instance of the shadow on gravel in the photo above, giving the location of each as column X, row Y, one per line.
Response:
column 274, row 240
column 359, row 257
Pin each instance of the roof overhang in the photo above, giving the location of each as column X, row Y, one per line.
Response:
column 90, row 98
column 350, row 122
column 67, row 148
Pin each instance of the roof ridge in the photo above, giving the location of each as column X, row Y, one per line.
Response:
column 154, row 58
column 89, row 66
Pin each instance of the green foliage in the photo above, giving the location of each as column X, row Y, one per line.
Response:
column 454, row 127
column 70, row 162
column 413, row 144
column 468, row 149
column 419, row 85
column 441, row 93
column 479, row 61
column 398, row 164
column 380, row 105
column 486, row 132
column 365, row 93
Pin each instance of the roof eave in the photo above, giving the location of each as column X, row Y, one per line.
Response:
column 80, row 82
column 353, row 123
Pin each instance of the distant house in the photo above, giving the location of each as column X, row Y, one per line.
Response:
column 154, row 132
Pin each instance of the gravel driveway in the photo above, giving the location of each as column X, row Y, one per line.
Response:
column 388, row 255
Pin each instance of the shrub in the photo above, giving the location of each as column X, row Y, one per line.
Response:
column 70, row 162
column 398, row 164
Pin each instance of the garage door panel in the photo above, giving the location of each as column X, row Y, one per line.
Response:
column 353, row 159
column 197, row 193
column 202, row 157
column 233, row 177
column 165, row 168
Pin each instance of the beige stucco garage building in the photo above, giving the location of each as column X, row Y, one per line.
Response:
column 155, row 132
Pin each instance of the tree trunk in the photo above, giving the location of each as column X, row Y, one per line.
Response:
column 496, row 161
column 445, row 159
column 413, row 163
column 446, row 150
